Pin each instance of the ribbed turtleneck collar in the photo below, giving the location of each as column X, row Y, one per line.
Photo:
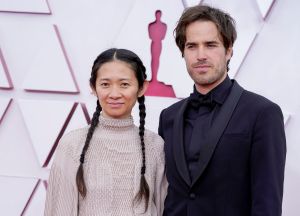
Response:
column 116, row 123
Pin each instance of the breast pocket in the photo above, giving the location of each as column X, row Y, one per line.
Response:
column 231, row 152
column 234, row 146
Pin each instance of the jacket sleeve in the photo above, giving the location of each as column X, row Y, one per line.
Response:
column 268, row 155
column 62, row 194
column 160, row 125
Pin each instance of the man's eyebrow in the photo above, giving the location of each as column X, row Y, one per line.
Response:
column 212, row 41
column 190, row 43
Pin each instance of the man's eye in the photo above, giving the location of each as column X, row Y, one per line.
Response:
column 211, row 45
column 190, row 46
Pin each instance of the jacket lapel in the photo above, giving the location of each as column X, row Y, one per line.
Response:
column 178, row 150
column 218, row 127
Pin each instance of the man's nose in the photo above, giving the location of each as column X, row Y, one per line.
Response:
column 201, row 54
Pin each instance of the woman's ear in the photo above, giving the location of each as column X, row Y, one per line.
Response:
column 93, row 91
column 143, row 89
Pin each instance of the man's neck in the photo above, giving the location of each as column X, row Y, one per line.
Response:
column 204, row 89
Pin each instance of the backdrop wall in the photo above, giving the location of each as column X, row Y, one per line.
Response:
column 47, row 48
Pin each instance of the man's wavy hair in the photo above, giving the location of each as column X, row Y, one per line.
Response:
column 223, row 21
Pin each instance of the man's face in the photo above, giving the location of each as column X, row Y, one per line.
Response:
column 205, row 55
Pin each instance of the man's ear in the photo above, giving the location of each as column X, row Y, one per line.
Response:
column 229, row 53
column 143, row 89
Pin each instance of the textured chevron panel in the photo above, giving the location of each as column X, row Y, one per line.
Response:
column 46, row 53
column 28, row 6
column 15, row 193
column 4, row 104
column 50, row 69
column 264, row 6
column 5, row 80
column 38, row 113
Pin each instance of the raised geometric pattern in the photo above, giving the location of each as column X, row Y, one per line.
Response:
column 189, row 3
column 286, row 117
column 77, row 119
column 90, row 107
column 5, row 80
column 4, row 104
column 50, row 69
column 241, row 47
column 36, row 202
column 265, row 6
column 13, row 203
column 28, row 6
column 36, row 115
column 35, row 52
column 153, row 111
column 137, row 29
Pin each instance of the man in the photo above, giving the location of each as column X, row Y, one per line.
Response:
column 225, row 146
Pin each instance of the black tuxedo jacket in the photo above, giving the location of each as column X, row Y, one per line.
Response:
column 241, row 172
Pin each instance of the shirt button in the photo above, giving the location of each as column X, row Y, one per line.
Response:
column 192, row 196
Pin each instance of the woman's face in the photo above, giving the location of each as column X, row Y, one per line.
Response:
column 117, row 89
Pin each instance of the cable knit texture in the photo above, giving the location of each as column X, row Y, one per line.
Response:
column 112, row 172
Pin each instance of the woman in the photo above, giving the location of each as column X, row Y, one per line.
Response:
column 111, row 167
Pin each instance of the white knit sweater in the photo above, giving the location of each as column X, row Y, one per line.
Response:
column 112, row 170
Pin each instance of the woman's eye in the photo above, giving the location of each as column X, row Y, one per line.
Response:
column 124, row 84
column 104, row 84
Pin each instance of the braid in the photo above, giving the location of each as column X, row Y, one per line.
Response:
column 79, row 176
column 144, row 187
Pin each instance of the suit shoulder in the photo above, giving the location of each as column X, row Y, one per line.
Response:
column 256, row 101
column 174, row 107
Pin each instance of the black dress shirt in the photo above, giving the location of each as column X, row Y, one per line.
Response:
column 200, row 113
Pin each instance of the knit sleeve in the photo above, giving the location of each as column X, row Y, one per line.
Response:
column 62, row 194
column 161, row 183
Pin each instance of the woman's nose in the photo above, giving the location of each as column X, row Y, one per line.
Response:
column 115, row 92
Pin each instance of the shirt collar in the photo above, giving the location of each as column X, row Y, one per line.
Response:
column 220, row 92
